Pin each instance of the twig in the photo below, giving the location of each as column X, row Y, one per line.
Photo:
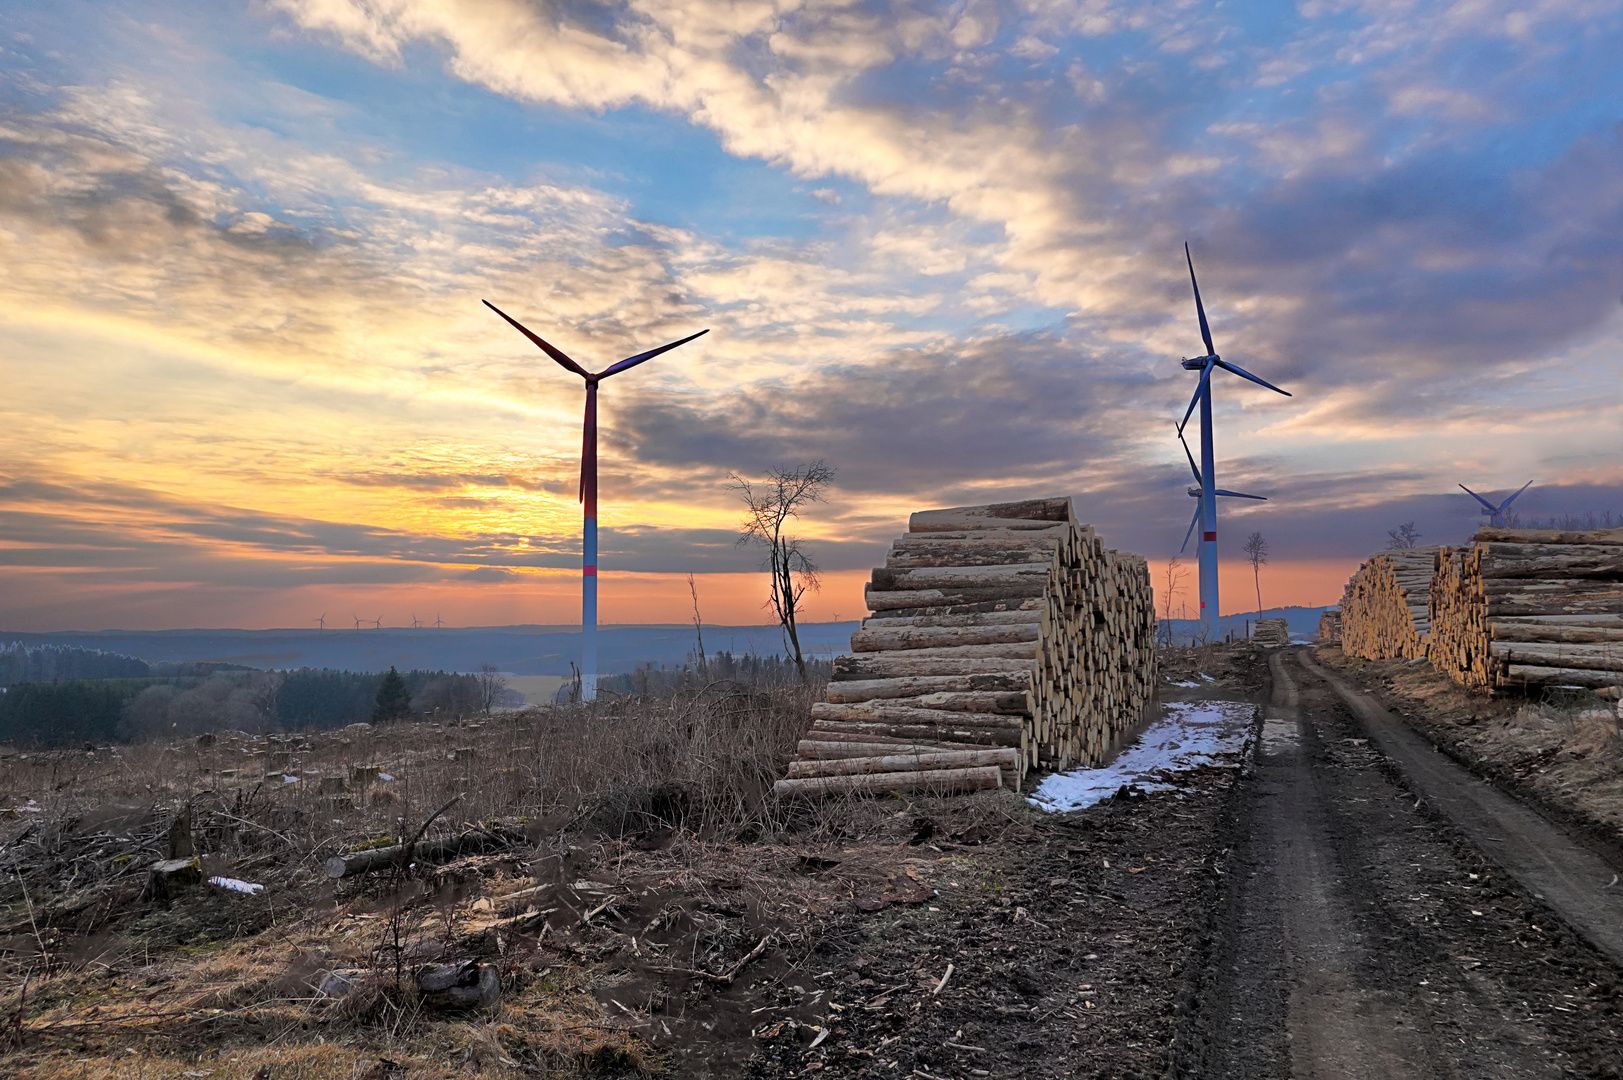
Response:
column 722, row 980
column 943, row 981
column 586, row 918
column 424, row 828
column 253, row 824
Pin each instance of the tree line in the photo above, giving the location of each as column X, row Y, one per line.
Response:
column 68, row 711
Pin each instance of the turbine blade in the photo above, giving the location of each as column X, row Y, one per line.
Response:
column 556, row 354
column 1190, row 455
column 1200, row 309
column 1244, row 374
column 1200, row 388
column 1486, row 505
column 1506, row 504
column 1241, row 495
column 1192, row 523
column 588, row 444
column 633, row 361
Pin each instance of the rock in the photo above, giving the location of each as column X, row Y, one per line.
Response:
column 459, row 987
column 338, row 983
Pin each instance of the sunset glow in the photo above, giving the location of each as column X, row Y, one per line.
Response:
column 248, row 378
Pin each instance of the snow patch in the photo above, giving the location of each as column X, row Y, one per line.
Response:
column 1188, row 735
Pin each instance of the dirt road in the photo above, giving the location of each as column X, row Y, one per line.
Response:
column 1364, row 932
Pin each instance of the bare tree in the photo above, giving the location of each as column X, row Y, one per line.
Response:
column 1256, row 552
column 770, row 507
column 1404, row 536
column 698, row 624
column 491, row 685
column 1175, row 577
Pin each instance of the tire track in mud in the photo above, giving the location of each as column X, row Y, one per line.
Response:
column 1583, row 888
column 1362, row 935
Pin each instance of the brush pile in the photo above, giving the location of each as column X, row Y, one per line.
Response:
column 1330, row 627
column 1003, row 638
column 1531, row 607
column 1386, row 610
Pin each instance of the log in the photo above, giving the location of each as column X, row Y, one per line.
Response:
column 814, row 750
column 896, row 665
column 923, row 686
column 1490, row 534
column 1530, row 675
column 1507, row 630
column 978, row 608
column 966, row 555
column 879, row 639
column 1589, row 657
column 956, row 578
column 1003, row 758
column 933, row 781
column 841, row 731
column 1503, row 560
column 903, row 599
column 433, row 851
column 901, row 711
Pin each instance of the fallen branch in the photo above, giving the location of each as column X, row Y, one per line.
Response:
column 720, row 980
column 435, row 851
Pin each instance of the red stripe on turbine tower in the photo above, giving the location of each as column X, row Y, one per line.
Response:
column 588, row 487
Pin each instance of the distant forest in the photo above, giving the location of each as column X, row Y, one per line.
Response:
column 133, row 708
column 42, row 663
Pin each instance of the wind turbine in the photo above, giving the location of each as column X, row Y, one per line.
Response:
column 414, row 623
column 436, row 620
column 377, row 623
column 321, row 622
column 1206, row 472
column 1495, row 514
column 357, row 622
column 588, row 487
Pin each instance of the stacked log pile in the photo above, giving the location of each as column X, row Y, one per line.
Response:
column 1386, row 610
column 1330, row 626
column 1002, row 638
column 1272, row 633
column 1531, row 607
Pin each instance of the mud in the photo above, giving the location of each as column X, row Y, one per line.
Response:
column 1364, row 935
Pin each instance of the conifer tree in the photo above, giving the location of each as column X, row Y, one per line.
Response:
column 394, row 700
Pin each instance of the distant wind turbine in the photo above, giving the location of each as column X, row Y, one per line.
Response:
column 321, row 621
column 357, row 622
column 377, row 623
column 1206, row 472
column 588, row 487
column 414, row 623
column 1496, row 514
column 436, row 620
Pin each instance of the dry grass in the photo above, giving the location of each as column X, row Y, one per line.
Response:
column 101, row 977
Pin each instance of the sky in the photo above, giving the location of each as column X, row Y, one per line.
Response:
column 246, row 378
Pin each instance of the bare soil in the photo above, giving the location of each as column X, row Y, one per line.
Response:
column 1312, row 913
column 1561, row 751
column 1362, row 933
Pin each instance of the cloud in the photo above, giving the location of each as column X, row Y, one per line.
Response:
column 266, row 325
